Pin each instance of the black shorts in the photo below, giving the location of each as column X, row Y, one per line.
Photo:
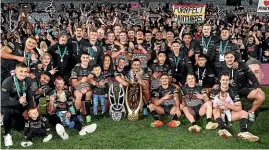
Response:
column 246, row 90
column 196, row 109
column 167, row 109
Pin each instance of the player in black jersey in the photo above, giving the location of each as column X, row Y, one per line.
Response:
column 196, row 103
column 236, row 108
column 15, row 52
column 245, row 82
column 165, row 101
column 13, row 101
column 77, row 42
column 82, row 90
column 156, row 69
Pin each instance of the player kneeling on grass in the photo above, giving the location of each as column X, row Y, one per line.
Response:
column 236, row 111
column 195, row 103
column 61, row 106
column 165, row 100
column 35, row 127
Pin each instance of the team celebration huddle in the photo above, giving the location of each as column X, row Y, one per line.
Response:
column 87, row 71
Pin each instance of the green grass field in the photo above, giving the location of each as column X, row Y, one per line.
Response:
column 139, row 135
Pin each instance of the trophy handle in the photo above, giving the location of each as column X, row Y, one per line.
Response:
column 140, row 99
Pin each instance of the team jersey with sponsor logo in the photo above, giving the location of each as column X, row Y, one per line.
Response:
column 161, row 92
column 189, row 97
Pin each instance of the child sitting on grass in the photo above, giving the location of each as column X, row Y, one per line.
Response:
column 219, row 102
column 36, row 126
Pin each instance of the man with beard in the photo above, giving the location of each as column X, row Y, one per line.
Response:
column 39, row 86
column 138, row 74
column 155, row 70
column 205, row 44
column 236, row 108
column 77, row 43
column 62, row 54
column 223, row 46
column 62, row 112
column 165, row 101
column 138, row 50
column 240, row 79
column 180, row 65
column 188, row 47
column 13, row 101
column 159, row 44
column 13, row 53
column 82, row 90
column 94, row 50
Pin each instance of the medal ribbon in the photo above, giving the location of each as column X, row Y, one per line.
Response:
column 77, row 47
column 60, row 52
column 90, row 51
column 28, row 58
column 18, row 86
column 177, row 59
column 223, row 49
column 206, row 44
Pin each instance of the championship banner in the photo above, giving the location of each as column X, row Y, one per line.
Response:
column 265, row 79
column 189, row 14
column 263, row 6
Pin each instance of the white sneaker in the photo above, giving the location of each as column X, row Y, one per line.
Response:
column 211, row 125
column 251, row 116
column 26, row 144
column 195, row 128
column 8, row 140
column 225, row 133
column 61, row 132
column 88, row 129
column 47, row 138
column 248, row 136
